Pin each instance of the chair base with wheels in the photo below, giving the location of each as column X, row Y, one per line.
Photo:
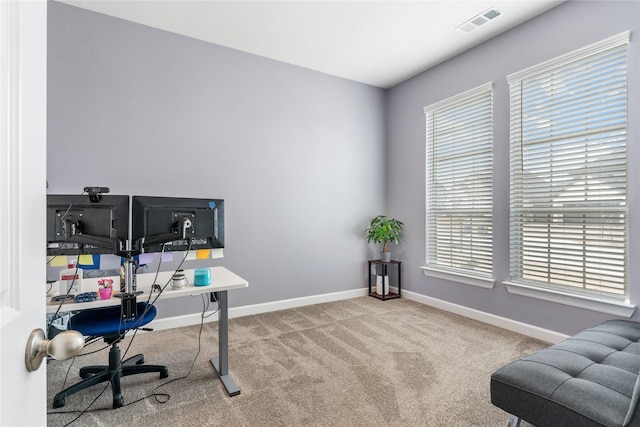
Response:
column 107, row 322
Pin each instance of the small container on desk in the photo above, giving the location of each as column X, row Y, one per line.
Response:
column 383, row 280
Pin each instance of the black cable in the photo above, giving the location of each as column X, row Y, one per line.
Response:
column 55, row 315
column 88, row 406
column 66, row 375
column 139, row 319
column 62, row 218
column 213, row 295
column 163, row 287
column 155, row 393
column 148, row 303
column 52, row 257
column 66, row 297
column 107, row 383
column 91, row 340
column 71, row 205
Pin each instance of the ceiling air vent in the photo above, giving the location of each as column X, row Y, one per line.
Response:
column 479, row 20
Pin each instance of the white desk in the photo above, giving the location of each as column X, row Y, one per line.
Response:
column 222, row 280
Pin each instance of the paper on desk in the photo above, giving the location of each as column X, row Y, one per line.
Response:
column 58, row 261
column 217, row 253
column 85, row 259
column 110, row 262
column 203, row 253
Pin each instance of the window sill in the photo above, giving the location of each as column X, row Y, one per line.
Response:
column 460, row 278
column 615, row 308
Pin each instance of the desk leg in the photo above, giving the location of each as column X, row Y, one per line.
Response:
column 221, row 363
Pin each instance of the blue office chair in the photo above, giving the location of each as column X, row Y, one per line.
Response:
column 108, row 323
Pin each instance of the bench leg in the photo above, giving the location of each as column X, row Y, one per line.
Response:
column 513, row 421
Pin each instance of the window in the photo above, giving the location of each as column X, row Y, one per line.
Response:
column 459, row 184
column 569, row 173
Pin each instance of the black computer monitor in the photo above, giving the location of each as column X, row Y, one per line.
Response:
column 78, row 224
column 178, row 223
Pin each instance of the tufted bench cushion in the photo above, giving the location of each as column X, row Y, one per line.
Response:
column 590, row 379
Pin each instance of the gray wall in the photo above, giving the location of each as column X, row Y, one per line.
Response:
column 302, row 159
column 297, row 155
column 567, row 27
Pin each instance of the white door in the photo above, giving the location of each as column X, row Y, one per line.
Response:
column 23, row 73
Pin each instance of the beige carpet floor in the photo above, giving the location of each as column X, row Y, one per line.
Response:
column 357, row 362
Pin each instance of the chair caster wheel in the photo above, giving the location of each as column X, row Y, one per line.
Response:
column 118, row 402
column 58, row 403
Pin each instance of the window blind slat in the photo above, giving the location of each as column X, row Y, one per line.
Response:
column 459, row 183
column 568, row 222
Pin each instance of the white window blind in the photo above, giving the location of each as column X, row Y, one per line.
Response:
column 569, row 172
column 459, row 202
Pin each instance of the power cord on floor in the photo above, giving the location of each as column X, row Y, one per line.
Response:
column 123, row 357
column 155, row 394
column 158, row 396
column 91, row 340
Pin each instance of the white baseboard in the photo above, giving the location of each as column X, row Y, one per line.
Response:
column 247, row 310
column 491, row 319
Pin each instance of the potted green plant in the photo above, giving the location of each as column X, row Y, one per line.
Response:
column 383, row 229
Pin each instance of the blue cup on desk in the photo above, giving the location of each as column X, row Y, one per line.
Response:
column 202, row 277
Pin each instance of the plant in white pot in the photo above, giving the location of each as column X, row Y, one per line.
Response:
column 383, row 229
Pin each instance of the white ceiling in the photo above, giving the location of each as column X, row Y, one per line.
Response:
column 380, row 43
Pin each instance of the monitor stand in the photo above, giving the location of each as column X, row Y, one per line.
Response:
column 129, row 304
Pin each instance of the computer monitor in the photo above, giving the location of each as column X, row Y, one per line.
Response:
column 178, row 223
column 78, row 224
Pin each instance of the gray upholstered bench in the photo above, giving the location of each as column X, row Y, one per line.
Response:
column 590, row 379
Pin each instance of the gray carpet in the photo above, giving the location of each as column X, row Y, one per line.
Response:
column 357, row 362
